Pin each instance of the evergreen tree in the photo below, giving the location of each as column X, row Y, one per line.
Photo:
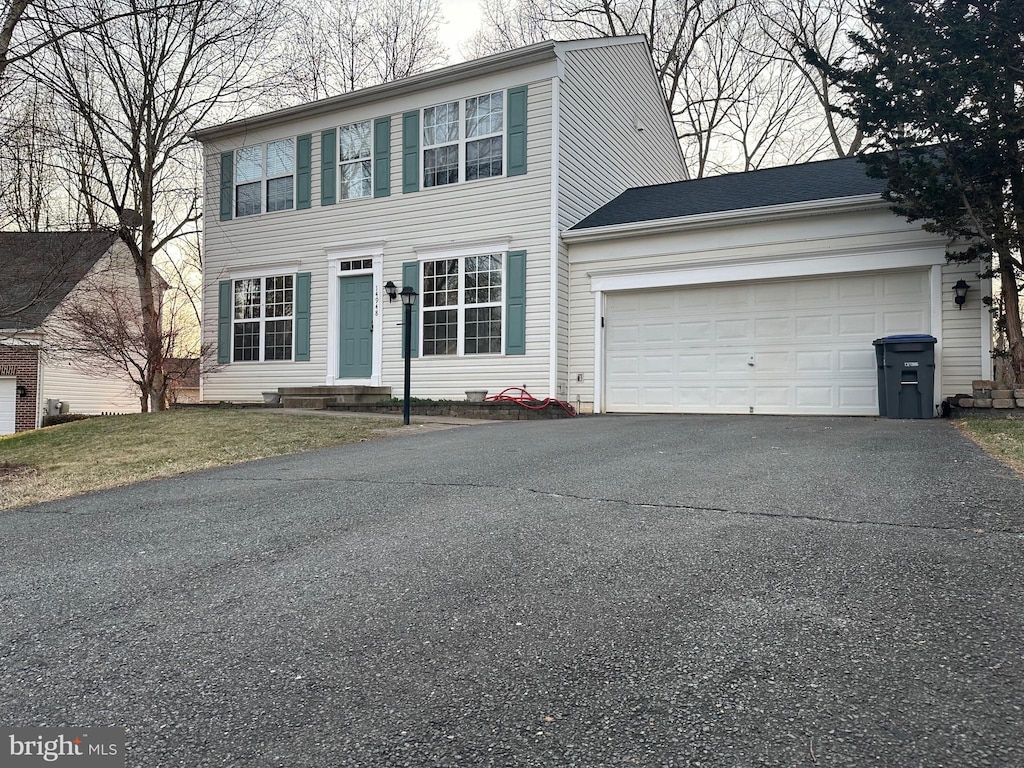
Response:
column 942, row 94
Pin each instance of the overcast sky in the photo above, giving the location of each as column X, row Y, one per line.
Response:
column 462, row 19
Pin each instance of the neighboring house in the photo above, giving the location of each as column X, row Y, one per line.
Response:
column 761, row 292
column 458, row 183
column 182, row 379
column 536, row 200
column 39, row 272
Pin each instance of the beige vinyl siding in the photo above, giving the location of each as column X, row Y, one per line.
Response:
column 512, row 210
column 606, row 93
column 87, row 386
column 963, row 357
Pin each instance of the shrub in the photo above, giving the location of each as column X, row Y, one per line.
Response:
column 63, row 418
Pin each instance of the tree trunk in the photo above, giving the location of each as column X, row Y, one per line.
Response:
column 1011, row 311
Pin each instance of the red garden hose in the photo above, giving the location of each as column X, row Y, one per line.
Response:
column 527, row 400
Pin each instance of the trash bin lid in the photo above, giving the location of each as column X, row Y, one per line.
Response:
column 904, row 338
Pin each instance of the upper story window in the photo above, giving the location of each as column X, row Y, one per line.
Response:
column 464, row 140
column 355, row 154
column 265, row 178
column 263, row 318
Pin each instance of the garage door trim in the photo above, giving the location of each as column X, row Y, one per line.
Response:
column 882, row 261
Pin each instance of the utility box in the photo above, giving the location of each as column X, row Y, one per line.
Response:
column 906, row 376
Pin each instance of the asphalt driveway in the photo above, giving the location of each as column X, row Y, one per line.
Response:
column 617, row 591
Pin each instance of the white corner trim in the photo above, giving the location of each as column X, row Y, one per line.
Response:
column 599, row 305
column 555, row 243
column 935, row 304
column 466, row 248
column 736, row 216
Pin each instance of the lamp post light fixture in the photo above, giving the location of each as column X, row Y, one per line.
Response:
column 408, row 295
column 960, row 292
column 391, row 290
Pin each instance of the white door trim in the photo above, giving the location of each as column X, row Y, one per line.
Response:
column 334, row 275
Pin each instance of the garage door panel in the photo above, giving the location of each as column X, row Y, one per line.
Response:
column 767, row 328
column 658, row 333
column 691, row 349
column 8, row 404
column 902, row 322
column 814, row 326
column 864, row 396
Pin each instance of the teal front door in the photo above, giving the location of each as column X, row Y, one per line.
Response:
column 356, row 358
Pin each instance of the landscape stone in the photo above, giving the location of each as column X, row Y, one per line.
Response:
column 982, row 402
column 1001, row 394
column 966, row 402
column 1003, row 402
column 983, row 384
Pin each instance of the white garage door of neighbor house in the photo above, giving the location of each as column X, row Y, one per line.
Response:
column 776, row 347
column 8, row 403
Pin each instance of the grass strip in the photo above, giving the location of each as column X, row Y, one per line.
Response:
column 108, row 451
column 1002, row 438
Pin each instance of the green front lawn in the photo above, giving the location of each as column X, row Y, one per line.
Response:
column 108, row 451
column 1002, row 438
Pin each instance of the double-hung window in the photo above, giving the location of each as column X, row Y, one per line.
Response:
column 265, row 178
column 355, row 154
column 464, row 140
column 462, row 305
column 263, row 318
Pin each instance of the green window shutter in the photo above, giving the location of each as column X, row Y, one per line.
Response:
column 328, row 167
column 515, row 304
column 304, row 171
column 224, row 323
column 516, row 131
column 411, row 277
column 411, row 151
column 227, row 185
column 382, row 157
column 303, row 281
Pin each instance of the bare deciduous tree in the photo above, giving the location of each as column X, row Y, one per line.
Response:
column 336, row 46
column 134, row 87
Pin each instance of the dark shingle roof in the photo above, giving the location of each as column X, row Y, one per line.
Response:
column 37, row 269
column 820, row 180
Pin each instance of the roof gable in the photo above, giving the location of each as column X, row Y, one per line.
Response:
column 821, row 180
column 38, row 269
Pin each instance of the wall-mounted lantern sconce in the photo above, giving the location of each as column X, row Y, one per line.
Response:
column 22, row 391
column 391, row 290
column 960, row 293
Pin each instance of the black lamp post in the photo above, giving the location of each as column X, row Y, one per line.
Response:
column 408, row 295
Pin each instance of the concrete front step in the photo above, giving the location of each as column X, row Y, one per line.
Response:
column 319, row 398
column 325, row 391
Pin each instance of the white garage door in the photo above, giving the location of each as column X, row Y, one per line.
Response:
column 776, row 347
column 8, row 402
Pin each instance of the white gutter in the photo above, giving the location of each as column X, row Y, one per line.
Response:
column 732, row 217
column 555, row 242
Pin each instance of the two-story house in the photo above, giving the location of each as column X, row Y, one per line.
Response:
column 538, row 204
column 458, row 183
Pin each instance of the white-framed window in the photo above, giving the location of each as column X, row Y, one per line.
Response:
column 263, row 318
column 464, row 140
column 462, row 305
column 265, row 178
column 355, row 155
